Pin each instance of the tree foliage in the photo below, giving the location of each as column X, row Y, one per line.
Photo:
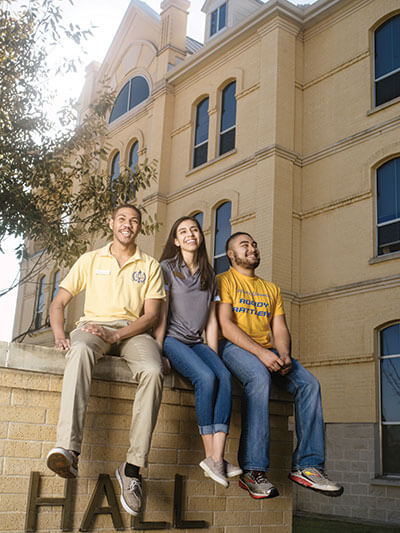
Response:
column 52, row 189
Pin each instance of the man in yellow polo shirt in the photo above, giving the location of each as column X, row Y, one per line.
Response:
column 124, row 289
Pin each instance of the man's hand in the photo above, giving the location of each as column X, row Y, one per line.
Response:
column 271, row 360
column 106, row 334
column 62, row 343
column 287, row 365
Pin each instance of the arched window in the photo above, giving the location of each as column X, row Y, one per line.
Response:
column 132, row 163
column 199, row 217
column 388, row 207
column 133, row 93
column 39, row 307
column 387, row 61
column 55, row 284
column 390, row 399
column 200, row 150
column 222, row 231
column 114, row 169
column 228, row 119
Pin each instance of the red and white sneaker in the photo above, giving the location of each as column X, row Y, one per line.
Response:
column 315, row 479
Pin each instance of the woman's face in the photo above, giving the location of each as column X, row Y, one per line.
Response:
column 188, row 237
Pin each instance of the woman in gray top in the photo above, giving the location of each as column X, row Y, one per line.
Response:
column 190, row 310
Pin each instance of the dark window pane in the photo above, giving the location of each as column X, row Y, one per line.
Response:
column 222, row 227
column 227, row 141
column 121, row 103
column 387, row 47
column 222, row 17
column 214, row 22
column 388, row 190
column 40, row 303
column 387, row 89
column 139, row 91
column 390, row 386
column 202, row 120
column 56, row 284
column 390, row 449
column 199, row 218
column 389, row 238
column 228, row 107
column 390, row 341
column 134, row 157
column 115, row 167
column 200, row 155
column 221, row 264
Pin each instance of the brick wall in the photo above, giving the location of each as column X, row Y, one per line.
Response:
column 29, row 403
column 350, row 450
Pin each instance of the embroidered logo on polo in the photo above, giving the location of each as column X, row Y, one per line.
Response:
column 139, row 276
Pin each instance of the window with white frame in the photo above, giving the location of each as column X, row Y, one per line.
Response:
column 39, row 305
column 389, row 371
column 133, row 93
column 388, row 207
column 218, row 19
column 228, row 119
column 387, row 61
column 200, row 150
column 222, row 231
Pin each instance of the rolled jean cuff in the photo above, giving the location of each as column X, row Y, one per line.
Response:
column 224, row 428
column 206, row 430
column 213, row 428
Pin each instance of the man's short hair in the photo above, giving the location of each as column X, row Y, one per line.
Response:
column 122, row 206
column 233, row 236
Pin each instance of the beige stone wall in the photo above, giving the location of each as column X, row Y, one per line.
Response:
column 29, row 403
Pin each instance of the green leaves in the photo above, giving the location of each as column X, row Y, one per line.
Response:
column 54, row 187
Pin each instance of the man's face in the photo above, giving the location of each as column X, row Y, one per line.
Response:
column 244, row 252
column 125, row 225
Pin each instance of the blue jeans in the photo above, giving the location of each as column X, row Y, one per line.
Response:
column 211, row 380
column 255, row 436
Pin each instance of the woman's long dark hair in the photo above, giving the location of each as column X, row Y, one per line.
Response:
column 171, row 251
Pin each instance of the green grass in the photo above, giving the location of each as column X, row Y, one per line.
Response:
column 317, row 524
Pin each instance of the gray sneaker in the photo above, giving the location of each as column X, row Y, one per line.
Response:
column 230, row 470
column 215, row 471
column 315, row 479
column 257, row 484
column 131, row 491
column 63, row 462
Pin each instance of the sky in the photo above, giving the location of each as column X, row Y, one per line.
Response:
column 104, row 21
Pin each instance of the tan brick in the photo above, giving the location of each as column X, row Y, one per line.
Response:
column 243, row 529
column 19, row 448
column 270, row 517
column 12, row 521
column 113, row 421
column 52, row 416
column 158, row 495
column 55, row 384
column 23, row 380
column 3, row 430
column 204, row 503
column 32, row 432
column 167, row 426
column 22, row 414
column 101, row 436
column 189, row 426
column 14, row 485
column 163, row 440
column 163, row 456
column 171, row 397
column 122, row 391
column 31, row 398
column 5, row 396
column 107, row 453
column 169, row 471
column 100, row 405
column 175, row 412
column 242, row 502
column 187, row 398
column 12, row 502
column 16, row 467
column 189, row 457
column 196, row 487
column 233, row 518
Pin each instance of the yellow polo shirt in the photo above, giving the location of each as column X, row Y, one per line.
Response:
column 114, row 292
column 254, row 302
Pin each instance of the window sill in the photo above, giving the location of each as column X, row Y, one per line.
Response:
column 383, row 106
column 211, row 162
column 385, row 257
column 391, row 481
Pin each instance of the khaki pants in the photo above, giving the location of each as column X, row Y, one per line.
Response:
column 143, row 357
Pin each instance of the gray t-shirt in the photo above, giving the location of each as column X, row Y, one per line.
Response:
column 188, row 305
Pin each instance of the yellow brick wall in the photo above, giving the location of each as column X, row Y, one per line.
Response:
column 29, row 404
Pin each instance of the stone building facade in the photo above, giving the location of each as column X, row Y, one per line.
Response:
column 284, row 124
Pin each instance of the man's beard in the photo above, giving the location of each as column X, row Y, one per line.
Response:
column 245, row 262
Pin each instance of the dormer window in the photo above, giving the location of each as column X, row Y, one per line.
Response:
column 218, row 20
